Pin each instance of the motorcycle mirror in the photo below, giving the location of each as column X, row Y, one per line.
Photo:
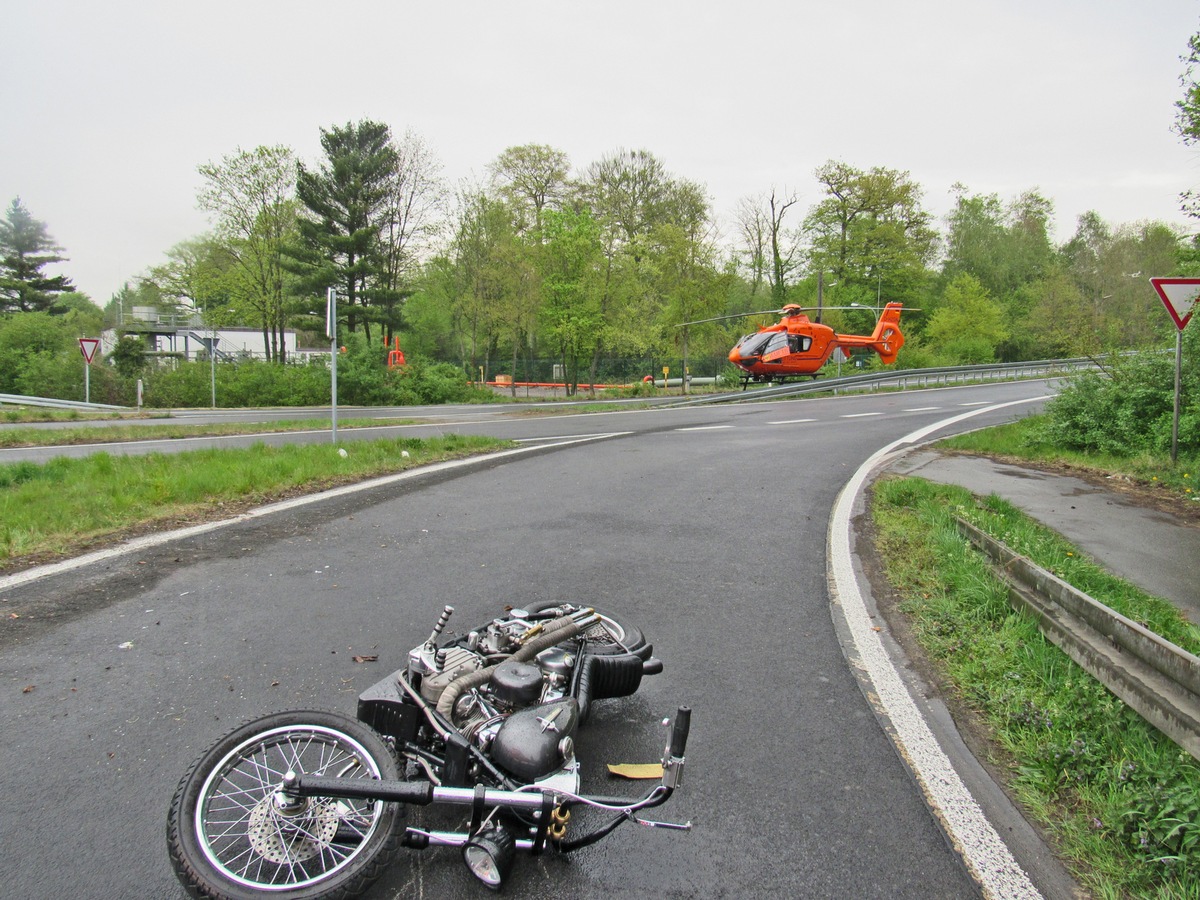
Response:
column 490, row 855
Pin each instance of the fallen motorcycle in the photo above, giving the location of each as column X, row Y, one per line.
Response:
column 309, row 804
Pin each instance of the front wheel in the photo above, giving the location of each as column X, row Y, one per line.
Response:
column 233, row 835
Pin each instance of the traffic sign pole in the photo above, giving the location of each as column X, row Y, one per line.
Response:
column 331, row 333
column 87, row 346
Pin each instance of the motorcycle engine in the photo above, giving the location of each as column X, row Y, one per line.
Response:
column 522, row 715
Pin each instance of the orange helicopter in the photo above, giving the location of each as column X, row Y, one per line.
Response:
column 797, row 347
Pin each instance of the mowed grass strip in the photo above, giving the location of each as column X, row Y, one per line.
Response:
column 11, row 438
column 66, row 504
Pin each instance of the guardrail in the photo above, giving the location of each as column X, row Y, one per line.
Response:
column 907, row 378
column 1155, row 678
column 19, row 400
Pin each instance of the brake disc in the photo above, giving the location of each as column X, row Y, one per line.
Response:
column 288, row 839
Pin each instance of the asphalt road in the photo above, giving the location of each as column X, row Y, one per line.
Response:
column 705, row 526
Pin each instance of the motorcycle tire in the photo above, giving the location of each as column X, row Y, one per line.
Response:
column 229, row 839
column 620, row 637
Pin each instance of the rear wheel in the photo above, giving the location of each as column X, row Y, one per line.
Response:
column 232, row 833
column 609, row 637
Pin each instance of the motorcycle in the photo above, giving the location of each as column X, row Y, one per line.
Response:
column 309, row 804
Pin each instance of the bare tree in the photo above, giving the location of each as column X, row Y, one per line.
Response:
column 414, row 218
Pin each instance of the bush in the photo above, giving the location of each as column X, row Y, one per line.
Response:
column 1126, row 411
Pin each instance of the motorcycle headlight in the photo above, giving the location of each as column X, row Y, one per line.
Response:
column 490, row 855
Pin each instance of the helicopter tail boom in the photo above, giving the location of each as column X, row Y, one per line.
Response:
column 886, row 339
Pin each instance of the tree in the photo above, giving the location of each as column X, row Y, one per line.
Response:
column 251, row 194
column 492, row 285
column 347, row 207
column 632, row 197
column 1111, row 268
column 532, row 178
column 970, row 325
column 871, row 232
column 626, row 191
column 25, row 249
column 1187, row 115
column 1062, row 321
column 753, row 228
column 411, row 220
column 202, row 274
column 571, row 264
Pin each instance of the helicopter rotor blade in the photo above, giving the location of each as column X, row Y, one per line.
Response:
column 780, row 312
column 761, row 312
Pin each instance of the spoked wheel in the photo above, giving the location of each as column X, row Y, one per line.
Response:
column 609, row 637
column 234, row 834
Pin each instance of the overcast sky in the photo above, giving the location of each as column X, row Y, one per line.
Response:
column 106, row 109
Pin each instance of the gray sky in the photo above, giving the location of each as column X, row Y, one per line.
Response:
column 107, row 108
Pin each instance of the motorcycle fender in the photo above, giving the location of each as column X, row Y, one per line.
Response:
column 384, row 707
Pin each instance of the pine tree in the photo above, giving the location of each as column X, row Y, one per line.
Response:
column 346, row 201
column 25, row 249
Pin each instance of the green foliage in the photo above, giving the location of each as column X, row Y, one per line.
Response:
column 129, row 356
column 968, row 326
column 345, row 204
column 39, row 356
column 1128, row 410
column 1187, row 109
column 363, row 380
column 1122, row 799
column 25, row 249
column 870, row 230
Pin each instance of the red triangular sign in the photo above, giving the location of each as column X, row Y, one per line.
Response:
column 1178, row 296
column 87, row 346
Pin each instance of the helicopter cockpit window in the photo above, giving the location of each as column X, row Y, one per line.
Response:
column 778, row 341
column 752, row 344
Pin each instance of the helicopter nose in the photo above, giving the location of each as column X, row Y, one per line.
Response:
column 742, row 362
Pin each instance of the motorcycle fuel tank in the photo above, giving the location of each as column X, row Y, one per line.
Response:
column 530, row 743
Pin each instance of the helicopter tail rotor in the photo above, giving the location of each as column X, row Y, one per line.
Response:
column 887, row 339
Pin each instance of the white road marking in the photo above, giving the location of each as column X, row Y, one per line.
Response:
column 923, row 409
column 792, row 422
column 983, row 851
column 704, row 428
column 859, row 415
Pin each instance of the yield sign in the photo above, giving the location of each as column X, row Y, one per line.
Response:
column 87, row 346
column 1178, row 296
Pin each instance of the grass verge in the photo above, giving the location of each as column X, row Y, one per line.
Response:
column 1120, row 801
column 67, row 504
column 11, row 438
column 1023, row 440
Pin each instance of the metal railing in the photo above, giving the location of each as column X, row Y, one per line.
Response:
column 20, row 400
column 1155, row 678
column 905, row 379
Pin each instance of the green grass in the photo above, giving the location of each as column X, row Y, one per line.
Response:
column 11, row 438
column 21, row 414
column 65, row 504
column 1120, row 800
column 1023, row 440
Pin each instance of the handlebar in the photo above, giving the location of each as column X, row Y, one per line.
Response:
column 679, row 731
